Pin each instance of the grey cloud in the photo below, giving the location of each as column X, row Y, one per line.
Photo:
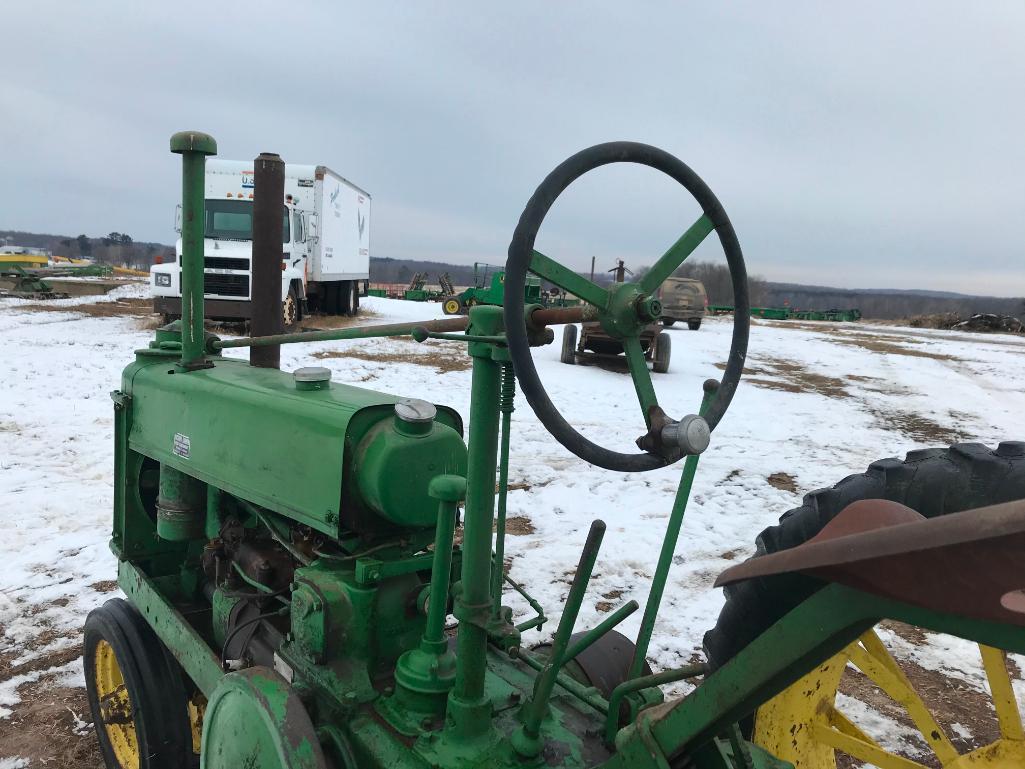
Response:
column 875, row 144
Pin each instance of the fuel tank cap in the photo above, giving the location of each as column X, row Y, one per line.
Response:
column 312, row 378
column 415, row 411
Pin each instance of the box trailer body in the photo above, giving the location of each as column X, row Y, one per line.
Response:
column 325, row 249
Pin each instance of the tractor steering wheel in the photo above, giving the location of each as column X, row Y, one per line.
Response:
column 625, row 309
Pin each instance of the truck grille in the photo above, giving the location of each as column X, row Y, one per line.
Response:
column 227, row 263
column 225, row 285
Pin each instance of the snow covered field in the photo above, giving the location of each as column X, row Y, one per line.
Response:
column 819, row 402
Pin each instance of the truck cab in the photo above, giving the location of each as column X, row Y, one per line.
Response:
column 318, row 270
column 228, row 270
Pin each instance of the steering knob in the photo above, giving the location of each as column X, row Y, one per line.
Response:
column 690, row 435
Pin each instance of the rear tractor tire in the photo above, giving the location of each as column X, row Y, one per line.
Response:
column 660, row 358
column 569, row 345
column 136, row 692
column 804, row 723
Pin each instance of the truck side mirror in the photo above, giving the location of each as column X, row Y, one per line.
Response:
column 311, row 227
column 178, row 218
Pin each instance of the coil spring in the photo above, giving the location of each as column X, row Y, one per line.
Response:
column 505, row 402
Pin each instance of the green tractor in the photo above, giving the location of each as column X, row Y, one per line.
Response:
column 489, row 288
column 297, row 596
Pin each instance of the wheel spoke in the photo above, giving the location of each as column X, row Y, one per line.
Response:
column 874, row 660
column 868, row 752
column 843, row 724
column 567, row 280
column 677, row 253
column 640, row 375
column 995, row 663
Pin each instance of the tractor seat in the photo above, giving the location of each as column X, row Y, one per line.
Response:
column 968, row 563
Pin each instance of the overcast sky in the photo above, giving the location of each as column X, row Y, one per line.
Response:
column 869, row 144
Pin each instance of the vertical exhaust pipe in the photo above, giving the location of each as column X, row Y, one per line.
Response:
column 193, row 146
column 268, row 232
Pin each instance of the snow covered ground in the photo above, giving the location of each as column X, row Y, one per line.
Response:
column 820, row 401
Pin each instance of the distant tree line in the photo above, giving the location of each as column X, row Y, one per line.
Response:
column 116, row 248
column 120, row 248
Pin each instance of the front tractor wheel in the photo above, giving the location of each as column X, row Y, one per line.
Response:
column 136, row 693
column 815, row 723
column 452, row 306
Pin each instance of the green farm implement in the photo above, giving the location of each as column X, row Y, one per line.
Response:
column 27, row 284
column 788, row 313
column 299, row 593
column 489, row 289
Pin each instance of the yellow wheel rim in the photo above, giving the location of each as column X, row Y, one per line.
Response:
column 451, row 307
column 197, row 709
column 805, row 724
column 115, row 707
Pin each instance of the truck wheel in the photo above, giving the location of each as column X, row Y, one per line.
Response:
column 344, row 297
column 569, row 345
column 290, row 311
column 668, row 322
column 136, row 693
column 451, row 306
column 694, row 325
column 933, row 482
column 353, row 298
column 663, row 348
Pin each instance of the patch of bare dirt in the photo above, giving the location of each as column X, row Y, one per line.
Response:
column 516, row 486
column 876, row 344
column 48, row 725
column 783, row 482
column 444, row 356
column 787, row 376
column 611, row 600
column 122, row 307
column 519, row 526
column 104, row 586
column 318, row 322
column 909, row 633
column 917, row 427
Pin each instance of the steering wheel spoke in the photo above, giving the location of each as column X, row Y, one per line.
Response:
column 569, row 281
column 677, row 254
column 641, row 376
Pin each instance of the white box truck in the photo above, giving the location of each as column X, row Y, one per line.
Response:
column 325, row 251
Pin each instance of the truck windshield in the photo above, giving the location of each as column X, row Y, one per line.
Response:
column 233, row 220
